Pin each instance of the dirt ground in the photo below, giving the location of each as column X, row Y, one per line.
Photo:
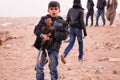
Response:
column 18, row 56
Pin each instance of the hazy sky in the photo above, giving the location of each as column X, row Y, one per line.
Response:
column 17, row 8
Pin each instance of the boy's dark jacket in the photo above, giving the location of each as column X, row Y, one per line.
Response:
column 61, row 32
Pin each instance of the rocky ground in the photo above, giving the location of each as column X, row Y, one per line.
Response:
column 18, row 56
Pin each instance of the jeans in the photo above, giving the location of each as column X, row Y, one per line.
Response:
column 89, row 13
column 52, row 65
column 98, row 14
column 75, row 32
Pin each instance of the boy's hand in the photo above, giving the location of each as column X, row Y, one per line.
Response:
column 45, row 37
column 85, row 34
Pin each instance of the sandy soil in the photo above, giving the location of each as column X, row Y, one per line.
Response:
column 18, row 56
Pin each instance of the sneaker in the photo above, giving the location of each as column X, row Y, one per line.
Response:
column 91, row 25
column 96, row 26
column 103, row 25
column 80, row 59
column 63, row 59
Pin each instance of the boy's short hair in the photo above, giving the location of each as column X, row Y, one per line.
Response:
column 54, row 4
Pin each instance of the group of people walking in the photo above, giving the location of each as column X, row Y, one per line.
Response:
column 73, row 16
column 110, row 5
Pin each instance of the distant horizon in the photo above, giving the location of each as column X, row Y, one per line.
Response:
column 36, row 8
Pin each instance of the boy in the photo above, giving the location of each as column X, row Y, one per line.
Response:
column 75, row 18
column 60, row 27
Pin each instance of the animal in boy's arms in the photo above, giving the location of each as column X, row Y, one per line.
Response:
column 49, row 31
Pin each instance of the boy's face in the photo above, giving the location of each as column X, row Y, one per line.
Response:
column 54, row 11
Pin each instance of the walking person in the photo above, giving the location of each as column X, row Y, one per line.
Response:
column 75, row 19
column 111, row 10
column 100, row 11
column 90, row 13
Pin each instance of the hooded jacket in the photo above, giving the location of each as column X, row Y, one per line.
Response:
column 90, row 5
column 75, row 17
column 101, row 4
